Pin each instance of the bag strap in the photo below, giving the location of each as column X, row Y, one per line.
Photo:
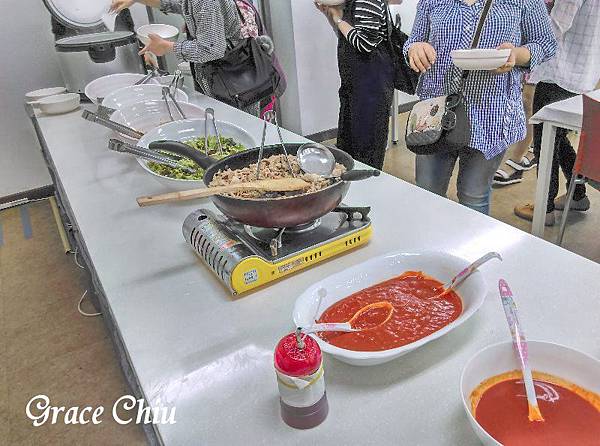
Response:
column 482, row 19
column 240, row 13
column 477, row 35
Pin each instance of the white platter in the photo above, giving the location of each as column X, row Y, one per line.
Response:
column 480, row 59
column 99, row 88
column 439, row 265
column 184, row 131
column 555, row 359
column 146, row 116
column 138, row 93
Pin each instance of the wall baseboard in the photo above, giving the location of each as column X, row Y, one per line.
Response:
column 32, row 194
column 326, row 135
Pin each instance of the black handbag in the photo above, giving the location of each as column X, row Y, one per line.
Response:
column 442, row 124
column 405, row 78
column 244, row 76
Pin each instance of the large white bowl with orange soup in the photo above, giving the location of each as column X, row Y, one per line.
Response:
column 409, row 281
column 567, row 385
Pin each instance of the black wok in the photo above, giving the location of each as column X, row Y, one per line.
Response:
column 281, row 212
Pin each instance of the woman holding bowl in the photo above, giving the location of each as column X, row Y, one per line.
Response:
column 213, row 26
column 366, row 71
column 493, row 98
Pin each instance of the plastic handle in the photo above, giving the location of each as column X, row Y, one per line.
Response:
column 472, row 267
column 520, row 346
column 329, row 326
column 357, row 175
column 184, row 150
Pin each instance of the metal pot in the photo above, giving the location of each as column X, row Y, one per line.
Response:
column 282, row 212
column 87, row 57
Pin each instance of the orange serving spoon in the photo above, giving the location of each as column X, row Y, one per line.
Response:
column 352, row 325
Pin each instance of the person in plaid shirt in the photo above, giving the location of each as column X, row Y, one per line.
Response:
column 494, row 100
column 574, row 70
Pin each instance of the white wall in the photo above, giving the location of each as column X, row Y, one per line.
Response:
column 28, row 62
column 306, row 47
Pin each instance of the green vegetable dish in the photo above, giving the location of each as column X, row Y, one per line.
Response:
column 230, row 146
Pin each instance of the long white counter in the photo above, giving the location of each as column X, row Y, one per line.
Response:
column 189, row 345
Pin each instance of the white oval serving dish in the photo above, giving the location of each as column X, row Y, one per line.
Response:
column 439, row 265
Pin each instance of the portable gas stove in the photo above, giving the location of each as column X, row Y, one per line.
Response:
column 245, row 257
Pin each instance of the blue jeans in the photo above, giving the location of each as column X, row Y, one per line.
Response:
column 475, row 175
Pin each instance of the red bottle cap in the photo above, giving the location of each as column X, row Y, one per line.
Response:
column 292, row 360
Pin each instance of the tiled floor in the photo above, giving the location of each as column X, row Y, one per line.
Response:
column 52, row 349
column 583, row 230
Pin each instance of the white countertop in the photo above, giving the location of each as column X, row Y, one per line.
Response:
column 210, row 356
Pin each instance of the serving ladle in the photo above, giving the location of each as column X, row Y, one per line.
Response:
column 352, row 326
column 460, row 277
column 316, row 158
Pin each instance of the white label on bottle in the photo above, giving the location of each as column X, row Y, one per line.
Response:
column 301, row 391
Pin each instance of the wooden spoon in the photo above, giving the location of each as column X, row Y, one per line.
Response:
column 268, row 185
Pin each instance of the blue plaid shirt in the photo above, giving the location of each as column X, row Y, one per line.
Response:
column 494, row 102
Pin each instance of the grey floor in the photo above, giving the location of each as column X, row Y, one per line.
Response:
column 583, row 230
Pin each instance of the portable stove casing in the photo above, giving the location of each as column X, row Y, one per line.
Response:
column 242, row 263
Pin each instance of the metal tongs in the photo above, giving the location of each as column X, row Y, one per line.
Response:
column 147, row 154
column 272, row 115
column 108, row 123
column 171, row 92
column 210, row 112
column 154, row 72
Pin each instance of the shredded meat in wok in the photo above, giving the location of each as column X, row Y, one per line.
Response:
column 272, row 167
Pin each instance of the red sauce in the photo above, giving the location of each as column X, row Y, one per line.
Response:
column 415, row 314
column 571, row 414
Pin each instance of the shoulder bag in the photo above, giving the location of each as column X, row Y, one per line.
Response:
column 441, row 124
column 405, row 78
column 244, row 75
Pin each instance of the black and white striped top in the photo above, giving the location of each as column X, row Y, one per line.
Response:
column 370, row 24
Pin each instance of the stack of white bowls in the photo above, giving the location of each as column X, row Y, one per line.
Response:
column 53, row 100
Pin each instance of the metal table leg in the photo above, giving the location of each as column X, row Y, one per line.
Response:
column 395, row 129
column 543, row 181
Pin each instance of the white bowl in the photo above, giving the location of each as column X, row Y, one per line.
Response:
column 439, row 265
column 146, row 116
column 99, row 88
column 36, row 95
column 165, row 31
column 184, row 131
column 555, row 359
column 57, row 104
column 480, row 59
column 138, row 93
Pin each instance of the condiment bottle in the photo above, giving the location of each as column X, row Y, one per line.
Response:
column 299, row 369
